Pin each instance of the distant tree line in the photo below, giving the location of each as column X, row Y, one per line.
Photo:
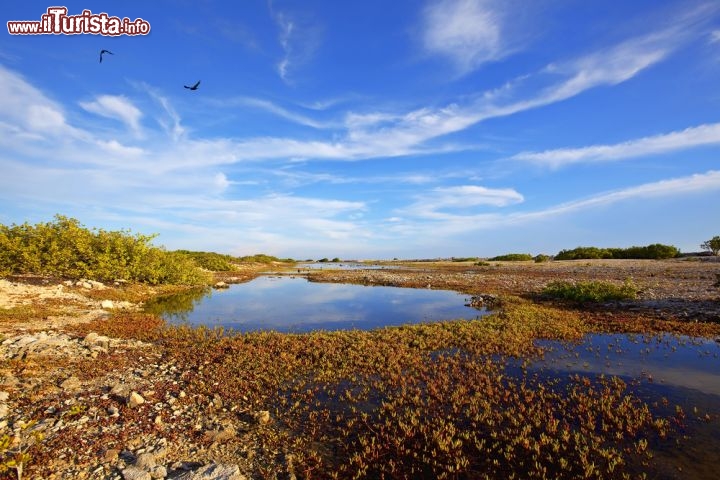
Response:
column 218, row 262
column 654, row 251
column 512, row 257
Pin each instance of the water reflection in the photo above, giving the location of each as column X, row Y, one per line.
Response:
column 178, row 305
column 665, row 359
column 661, row 370
column 292, row 304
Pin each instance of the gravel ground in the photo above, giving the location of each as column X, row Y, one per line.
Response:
column 670, row 290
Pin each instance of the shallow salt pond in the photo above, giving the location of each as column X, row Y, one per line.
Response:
column 661, row 370
column 670, row 360
column 292, row 304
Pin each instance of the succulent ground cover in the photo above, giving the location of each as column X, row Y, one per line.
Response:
column 442, row 400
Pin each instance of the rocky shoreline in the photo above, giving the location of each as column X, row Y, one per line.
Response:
column 119, row 408
column 669, row 290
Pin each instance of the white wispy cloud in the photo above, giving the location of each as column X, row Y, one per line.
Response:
column 298, row 37
column 30, row 111
column 697, row 183
column 275, row 109
column 402, row 133
column 436, row 203
column 423, row 218
column 169, row 120
column 390, row 134
column 286, row 27
column 468, row 32
column 708, row 134
column 116, row 107
column 117, row 148
column 715, row 36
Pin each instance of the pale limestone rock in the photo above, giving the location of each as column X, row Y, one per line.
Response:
column 135, row 399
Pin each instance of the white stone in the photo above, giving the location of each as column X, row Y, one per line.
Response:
column 135, row 473
column 146, row 461
column 135, row 399
column 214, row 471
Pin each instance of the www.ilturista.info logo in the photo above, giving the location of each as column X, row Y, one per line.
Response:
column 57, row 22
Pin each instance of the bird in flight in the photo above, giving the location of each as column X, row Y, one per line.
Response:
column 194, row 87
column 103, row 52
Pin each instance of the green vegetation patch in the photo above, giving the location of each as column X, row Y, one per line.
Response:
column 656, row 251
column 262, row 258
column 65, row 248
column 512, row 257
column 593, row 291
column 215, row 262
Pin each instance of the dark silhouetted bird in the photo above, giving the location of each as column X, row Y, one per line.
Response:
column 103, row 52
column 194, row 87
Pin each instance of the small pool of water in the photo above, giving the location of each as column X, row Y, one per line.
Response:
column 659, row 369
column 292, row 304
column 671, row 360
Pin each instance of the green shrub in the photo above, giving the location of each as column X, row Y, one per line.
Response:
column 512, row 257
column 541, row 258
column 65, row 248
column 712, row 245
column 464, row 259
column 581, row 253
column 262, row 258
column 655, row 251
column 594, row 291
column 215, row 262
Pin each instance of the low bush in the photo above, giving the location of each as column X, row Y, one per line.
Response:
column 215, row 262
column 541, row 258
column 593, row 291
column 262, row 258
column 512, row 257
column 655, row 251
column 65, row 248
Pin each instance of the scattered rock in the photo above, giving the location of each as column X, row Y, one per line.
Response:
column 107, row 304
column 135, row 399
column 96, row 285
column 220, row 285
column 262, row 417
column 146, row 461
column 92, row 339
column 158, row 472
column 135, row 473
column 214, row 471
column 219, row 436
column 71, row 383
column 111, row 455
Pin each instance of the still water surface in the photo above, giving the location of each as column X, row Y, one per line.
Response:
column 680, row 370
column 292, row 304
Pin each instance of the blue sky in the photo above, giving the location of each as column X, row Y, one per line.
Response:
column 371, row 129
